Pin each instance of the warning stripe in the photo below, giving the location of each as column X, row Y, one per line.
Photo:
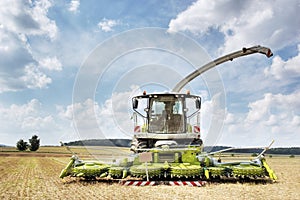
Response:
column 188, row 183
column 196, row 129
column 172, row 183
column 137, row 129
column 139, row 183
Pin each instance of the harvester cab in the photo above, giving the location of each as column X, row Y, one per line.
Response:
column 165, row 119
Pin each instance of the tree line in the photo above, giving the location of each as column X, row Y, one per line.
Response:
column 100, row 142
column 32, row 145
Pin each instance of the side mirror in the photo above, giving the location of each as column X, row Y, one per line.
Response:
column 135, row 103
column 198, row 103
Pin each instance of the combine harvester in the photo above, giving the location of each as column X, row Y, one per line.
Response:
column 167, row 145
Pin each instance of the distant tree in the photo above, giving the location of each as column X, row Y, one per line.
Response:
column 254, row 154
column 34, row 143
column 22, row 145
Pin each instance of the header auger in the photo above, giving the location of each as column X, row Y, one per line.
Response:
column 167, row 134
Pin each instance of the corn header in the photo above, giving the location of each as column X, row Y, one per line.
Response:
column 171, row 164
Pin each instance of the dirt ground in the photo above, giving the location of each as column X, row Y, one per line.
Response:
column 36, row 177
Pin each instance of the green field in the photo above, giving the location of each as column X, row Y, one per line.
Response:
column 35, row 176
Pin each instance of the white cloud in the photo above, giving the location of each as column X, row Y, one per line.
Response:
column 85, row 114
column 275, row 116
column 279, row 105
column 34, row 78
column 284, row 70
column 112, row 119
column 50, row 64
column 20, row 22
column 74, row 5
column 22, row 121
column 107, row 25
column 90, row 120
column 36, row 122
column 19, row 112
column 243, row 23
column 200, row 16
column 27, row 17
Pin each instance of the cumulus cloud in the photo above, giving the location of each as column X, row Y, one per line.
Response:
column 243, row 23
column 275, row 116
column 213, row 116
column 27, row 17
column 36, row 122
column 25, row 120
column 110, row 119
column 92, row 120
column 20, row 67
column 279, row 105
column 84, row 114
column 52, row 64
column 284, row 70
column 74, row 5
column 34, row 78
column 107, row 25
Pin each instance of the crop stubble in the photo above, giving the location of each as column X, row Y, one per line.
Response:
column 37, row 178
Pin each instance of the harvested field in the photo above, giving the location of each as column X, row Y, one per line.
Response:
column 36, row 177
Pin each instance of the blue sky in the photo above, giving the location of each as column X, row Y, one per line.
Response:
column 49, row 62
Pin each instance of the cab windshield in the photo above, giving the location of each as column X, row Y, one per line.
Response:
column 166, row 114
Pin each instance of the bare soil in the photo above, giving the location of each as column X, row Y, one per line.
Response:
column 36, row 177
